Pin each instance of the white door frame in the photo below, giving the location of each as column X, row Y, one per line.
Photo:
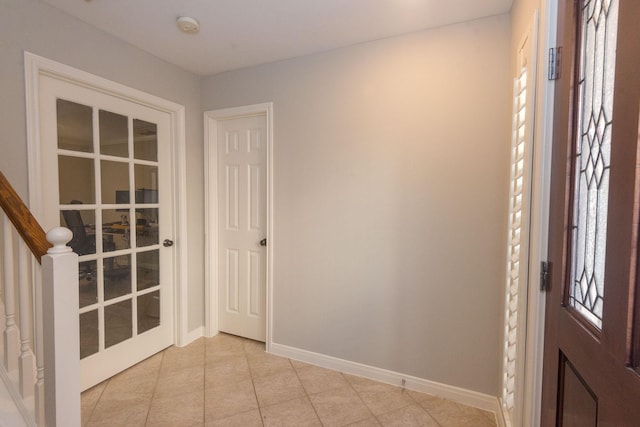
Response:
column 37, row 66
column 526, row 57
column 211, row 119
column 529, row 413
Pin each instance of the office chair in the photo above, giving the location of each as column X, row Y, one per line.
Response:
column 80, row 243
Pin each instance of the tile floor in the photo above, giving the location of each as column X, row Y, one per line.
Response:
column 231, row 381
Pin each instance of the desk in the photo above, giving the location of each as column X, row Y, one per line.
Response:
column 123, row 227
column 146, row 235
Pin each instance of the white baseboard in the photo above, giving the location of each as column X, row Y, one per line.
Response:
column 12, row 408
column 456, row 394
column 192, row 336
column 503, row 418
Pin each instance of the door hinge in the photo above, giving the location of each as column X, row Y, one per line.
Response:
column 555, row 62
column 544, row 276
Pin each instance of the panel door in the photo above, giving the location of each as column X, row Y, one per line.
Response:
column 242, row 201
column 591, row 332
column 106, row 176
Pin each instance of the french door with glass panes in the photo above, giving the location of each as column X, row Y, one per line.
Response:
column 106, row 176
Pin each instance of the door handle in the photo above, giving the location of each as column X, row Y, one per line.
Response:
column 167, row 243
column 263, row 242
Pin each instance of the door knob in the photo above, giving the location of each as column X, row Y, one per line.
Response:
column 167, row 243
column 263, row 242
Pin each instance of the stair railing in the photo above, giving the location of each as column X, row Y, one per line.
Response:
column 40, row 364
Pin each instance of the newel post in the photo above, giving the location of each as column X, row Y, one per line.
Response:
column 61, row 331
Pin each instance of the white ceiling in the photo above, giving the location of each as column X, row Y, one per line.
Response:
column 241, row 33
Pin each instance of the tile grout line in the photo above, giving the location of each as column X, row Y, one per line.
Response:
column 404, row 390
column 360, row 397
column 343, row 375
column 306, row 393
column 95, row 405
column 204, row 382
column 155, row 386
column 246, row 358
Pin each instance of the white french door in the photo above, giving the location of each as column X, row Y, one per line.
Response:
column 242, row 225
column 106, row 175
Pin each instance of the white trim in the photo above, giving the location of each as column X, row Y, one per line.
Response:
column 211, row 119
column 502, row 418
column 12, row 405
column 210, row 221
column 527, row 58
column 192, row 336
column 456, row 394
column 37, row 66
column 543, row 136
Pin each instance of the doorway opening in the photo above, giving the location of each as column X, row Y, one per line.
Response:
column 239, row 221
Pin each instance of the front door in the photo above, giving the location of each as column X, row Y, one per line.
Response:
column 242, row 245
column 592, row 333
column 106, row 176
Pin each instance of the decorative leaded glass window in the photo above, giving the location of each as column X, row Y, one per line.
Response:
column 592, row 156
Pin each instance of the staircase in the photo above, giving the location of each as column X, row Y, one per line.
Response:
column 38, row 320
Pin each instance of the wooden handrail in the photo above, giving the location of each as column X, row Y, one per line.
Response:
column 22, row 219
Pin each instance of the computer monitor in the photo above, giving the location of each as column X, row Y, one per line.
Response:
column 146, row 195
column 143, row 195
column 122, row 198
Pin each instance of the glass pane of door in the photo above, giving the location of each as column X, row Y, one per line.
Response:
column 76, row 180
column 592, row 156
column 114, row 134
column 145, row 140
column 75, row 126
column 108, row 184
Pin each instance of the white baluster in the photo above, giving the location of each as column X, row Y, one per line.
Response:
column 2, row 252
column 11, row 339
column 61, row 331
column 39, row 328
column 26, row 377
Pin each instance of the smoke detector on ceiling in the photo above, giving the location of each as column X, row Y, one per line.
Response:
column 187, row 24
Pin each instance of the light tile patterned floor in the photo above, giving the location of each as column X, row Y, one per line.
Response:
column 231, row 381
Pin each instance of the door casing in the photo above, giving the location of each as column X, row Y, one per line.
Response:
column 531, row 384
column 35, row 67
column 211, row 119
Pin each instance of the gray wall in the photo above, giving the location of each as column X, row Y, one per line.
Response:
column 38, row 28
column 391, row 185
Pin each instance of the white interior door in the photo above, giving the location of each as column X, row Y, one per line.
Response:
column 242, row 202
column 106, row 175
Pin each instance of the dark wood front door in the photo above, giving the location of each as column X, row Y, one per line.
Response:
column 592, row 333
